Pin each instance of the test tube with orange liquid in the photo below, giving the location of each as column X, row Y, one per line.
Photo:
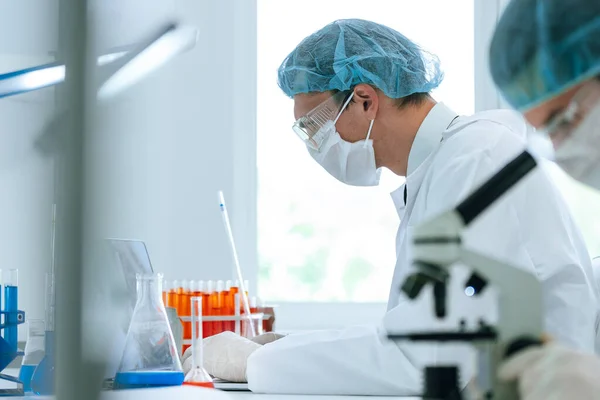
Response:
column 202, row 293
column 216, row 307
column 188, row 293
column 233, row 290
column 229, row 304
column 165, row 293
column 210, row 289
column 172, row 294
column 226, row 307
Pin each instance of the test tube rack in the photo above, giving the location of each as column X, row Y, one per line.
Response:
column 238, row 320
column 11, row 319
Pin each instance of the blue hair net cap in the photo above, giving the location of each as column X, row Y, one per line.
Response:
column 543, row 47
column 348, row 52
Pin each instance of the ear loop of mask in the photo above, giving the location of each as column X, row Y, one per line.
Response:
column 340, row 114
column 369, row 133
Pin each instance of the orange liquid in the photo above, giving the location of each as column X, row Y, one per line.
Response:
column 187, row 312
column 179, row 302
column 217, row 326
column 226, row 310
column 171, row 298
column 232, row 292
column 209, row 385
column 206, row 310
column 164, row 298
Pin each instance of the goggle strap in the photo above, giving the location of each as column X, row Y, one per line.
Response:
column 343, row 108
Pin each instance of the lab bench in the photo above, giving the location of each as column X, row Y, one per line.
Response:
column 192, row 393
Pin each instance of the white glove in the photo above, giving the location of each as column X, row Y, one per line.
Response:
column 225, row 356
column 267, row 338
column 553, row 372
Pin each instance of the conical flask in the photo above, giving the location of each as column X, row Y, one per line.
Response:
column 150, row 357
column 197, row 375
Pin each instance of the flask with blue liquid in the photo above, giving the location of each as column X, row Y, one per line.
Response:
column 150, row 357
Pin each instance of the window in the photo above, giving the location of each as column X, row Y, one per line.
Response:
column 320, row 240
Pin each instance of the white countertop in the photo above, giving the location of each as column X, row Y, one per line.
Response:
column 193, row 393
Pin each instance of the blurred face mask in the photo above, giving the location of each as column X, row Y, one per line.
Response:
column 575, row 134
column 350, row 163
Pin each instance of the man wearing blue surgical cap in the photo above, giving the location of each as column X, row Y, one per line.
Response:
column 362, row 102
column 545, row 59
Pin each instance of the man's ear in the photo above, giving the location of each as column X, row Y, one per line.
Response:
column 367, row 98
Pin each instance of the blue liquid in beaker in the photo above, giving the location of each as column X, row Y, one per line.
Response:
column 146, row 379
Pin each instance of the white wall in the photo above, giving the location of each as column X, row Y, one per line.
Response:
column 28, row 35
column 168, row 141
column 170, row 138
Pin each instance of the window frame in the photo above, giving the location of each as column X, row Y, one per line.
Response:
column 292, row 316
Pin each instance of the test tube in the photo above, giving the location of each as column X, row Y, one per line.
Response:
column 202, row 290
column 225, row 308
column 197, row 376
column 182, row 306
column 172, row 295
column 218, row 306
column 165, row 293
column 210, row 288
column 11, row 292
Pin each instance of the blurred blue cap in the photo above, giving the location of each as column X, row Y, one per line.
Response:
column 543, row 47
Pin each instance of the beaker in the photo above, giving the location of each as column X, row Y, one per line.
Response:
column 197, row 376
column 42, row 381
column 150, row 357
column 34, row 352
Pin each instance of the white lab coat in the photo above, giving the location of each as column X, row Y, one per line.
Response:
column 530, row 227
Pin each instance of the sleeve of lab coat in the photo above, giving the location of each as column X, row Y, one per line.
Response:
column 352, row 361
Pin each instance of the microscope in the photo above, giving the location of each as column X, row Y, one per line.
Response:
column 437, row 246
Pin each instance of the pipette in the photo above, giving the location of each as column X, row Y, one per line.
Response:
column 236, row 260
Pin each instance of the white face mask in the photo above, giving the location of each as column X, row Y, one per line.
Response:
column 579, row 154
column 350, row 163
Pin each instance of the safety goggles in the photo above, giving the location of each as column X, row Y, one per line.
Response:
column 308, row 127
column 564, row 124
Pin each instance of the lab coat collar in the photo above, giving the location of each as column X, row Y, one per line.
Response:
column 429, row 135
column 398, row 199
column 427, row 139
